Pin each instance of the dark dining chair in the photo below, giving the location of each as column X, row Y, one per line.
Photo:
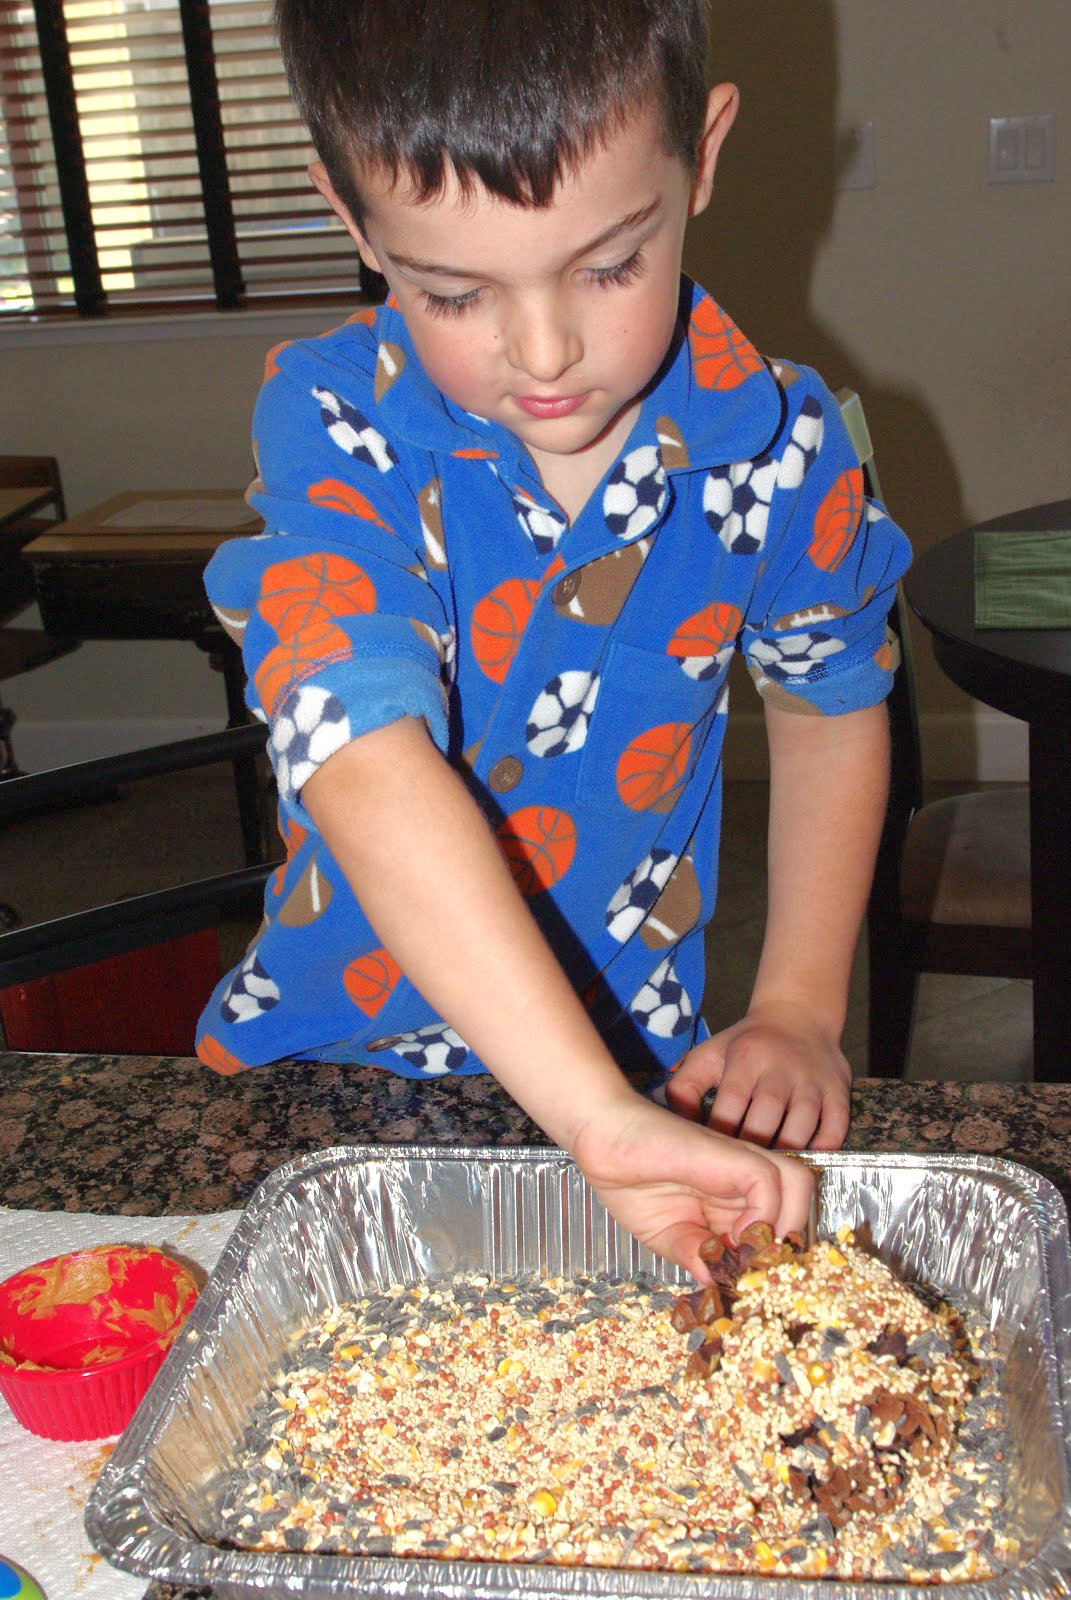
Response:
column 951, row 890
column 129, row 977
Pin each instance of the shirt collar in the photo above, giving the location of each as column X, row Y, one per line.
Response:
column 715, row 402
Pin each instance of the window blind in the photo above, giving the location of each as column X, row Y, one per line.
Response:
column 150, row 158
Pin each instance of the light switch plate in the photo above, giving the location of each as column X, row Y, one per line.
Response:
column 1022, row 149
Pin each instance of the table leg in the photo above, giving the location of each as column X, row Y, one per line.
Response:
column 1050, row 887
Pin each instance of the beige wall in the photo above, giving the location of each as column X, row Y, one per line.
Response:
column 943, row 299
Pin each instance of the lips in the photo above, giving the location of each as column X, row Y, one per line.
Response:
column 554, row 406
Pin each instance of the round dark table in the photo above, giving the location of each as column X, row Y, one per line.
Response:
column 1027, row 673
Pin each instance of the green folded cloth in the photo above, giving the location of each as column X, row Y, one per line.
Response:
column 1022, row 580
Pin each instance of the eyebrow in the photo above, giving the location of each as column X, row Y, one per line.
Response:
column 635, row 219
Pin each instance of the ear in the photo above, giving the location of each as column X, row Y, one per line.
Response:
column 723, row 102
column 318, row 174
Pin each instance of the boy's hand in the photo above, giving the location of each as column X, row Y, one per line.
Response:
column 673, row 1183
column 780, row 1080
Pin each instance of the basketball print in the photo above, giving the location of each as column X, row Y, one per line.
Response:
column 558, row 721
column 390, row 364
column 295, row 659
column 736, row 503
column 498, row 620
column 704, row 643
column 662, row 1006
column 370, row 980
column 635, row 493
column 353, row 433
column 652, row 768
column 212, row 1053
column 334, row 495
column 722, row 358
column 539, row 843
column 837, row 521
column 304, row 594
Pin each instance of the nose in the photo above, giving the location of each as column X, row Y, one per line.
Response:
column 542, row 340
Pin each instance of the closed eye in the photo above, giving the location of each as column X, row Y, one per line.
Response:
column 625, row 271
column 449, row 305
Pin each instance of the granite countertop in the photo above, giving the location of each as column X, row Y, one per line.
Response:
column 161, row 1136
column 135, row 1134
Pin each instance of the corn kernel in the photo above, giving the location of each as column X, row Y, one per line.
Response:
column 769, row 1460
column 751, row 1280
column 817, row 1373
column 834, row 1257
column 348, row 1352
column 543, row 1504
column 763, row 1371
column 763, row 1551
column 723, row 1325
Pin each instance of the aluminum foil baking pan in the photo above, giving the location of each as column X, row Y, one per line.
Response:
column 987, row 1233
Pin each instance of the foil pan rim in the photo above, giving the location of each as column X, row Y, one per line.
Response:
column 119, row 1529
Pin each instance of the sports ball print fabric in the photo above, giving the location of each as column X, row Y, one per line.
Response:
column 412, row 564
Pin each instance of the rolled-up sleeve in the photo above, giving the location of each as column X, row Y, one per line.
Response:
column 341, row 630
column 815, row 635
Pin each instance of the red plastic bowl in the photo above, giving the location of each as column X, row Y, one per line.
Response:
column 83, row 1335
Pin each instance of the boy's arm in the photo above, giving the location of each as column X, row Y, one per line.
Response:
column 432, row 881
column 780, row 1072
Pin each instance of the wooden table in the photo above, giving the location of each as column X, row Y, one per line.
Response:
column 132, row 567
column 1027, row 673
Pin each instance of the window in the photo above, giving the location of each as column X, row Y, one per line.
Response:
column 151, row 159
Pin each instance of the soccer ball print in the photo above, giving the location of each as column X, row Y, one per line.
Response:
column 736, row 501
column 662, row 1006
column 353, row 433
column 635, row 493
column 558, row 721
column 312, row 728
column 801, row 451
column 433, row 1050
column 543, row 526
column 638, row 894
column 795, row 656
column 250, row 993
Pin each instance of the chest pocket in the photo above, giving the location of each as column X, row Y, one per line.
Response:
column 650, row 722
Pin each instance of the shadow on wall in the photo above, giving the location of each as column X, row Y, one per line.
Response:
column 755, row 247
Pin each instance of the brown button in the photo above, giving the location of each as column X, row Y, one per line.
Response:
column 566, row 588
column 505, row 774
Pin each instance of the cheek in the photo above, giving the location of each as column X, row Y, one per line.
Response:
column 451, row 358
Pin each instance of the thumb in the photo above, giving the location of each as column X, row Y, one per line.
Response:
column 701, row 1069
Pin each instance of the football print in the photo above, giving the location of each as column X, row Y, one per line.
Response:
column 434, row 1050
column 390, row 364
column 312, row 728
column 308, row 899
column 793, row 657
column 638, row 894
column 250, row 992
column 558, row 721
column 677, row 909
column 635, row 493
column 543, row 526
column 353, row 433
column 802, row 449
column 662, row 1006
column 671, row 445
column 596, row 592
column 430, row 506
column 736, row 501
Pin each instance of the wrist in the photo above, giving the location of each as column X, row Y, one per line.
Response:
column 822, row 1016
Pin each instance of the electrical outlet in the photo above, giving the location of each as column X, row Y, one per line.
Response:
column 1022, row 149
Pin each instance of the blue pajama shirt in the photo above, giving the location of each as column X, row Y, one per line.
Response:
column 412, row 564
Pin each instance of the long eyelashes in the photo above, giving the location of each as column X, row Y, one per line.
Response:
column 602, row 277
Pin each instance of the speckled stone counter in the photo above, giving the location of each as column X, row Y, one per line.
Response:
column 133, row 1134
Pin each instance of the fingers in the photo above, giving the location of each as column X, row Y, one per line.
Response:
column 700, row 1071
column 833, row 1128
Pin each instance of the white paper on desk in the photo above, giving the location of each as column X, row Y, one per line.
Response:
column 212, row 516
column 46, row 1483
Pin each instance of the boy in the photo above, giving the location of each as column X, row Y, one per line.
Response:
column 518, row 519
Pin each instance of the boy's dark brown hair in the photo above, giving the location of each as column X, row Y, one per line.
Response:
column 511, row 93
